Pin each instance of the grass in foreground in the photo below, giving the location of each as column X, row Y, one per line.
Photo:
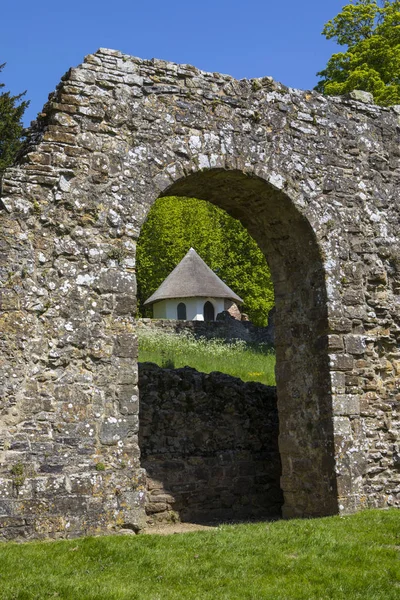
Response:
column 249, row 363
column 348, row 558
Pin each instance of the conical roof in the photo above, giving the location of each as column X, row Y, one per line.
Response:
column 191, row 278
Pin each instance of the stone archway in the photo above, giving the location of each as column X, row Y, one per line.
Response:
column 316, row 183
column 303, row 380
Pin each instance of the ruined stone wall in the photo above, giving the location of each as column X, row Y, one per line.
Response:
column 209, row 445
column 316, row 182
column 228, row 329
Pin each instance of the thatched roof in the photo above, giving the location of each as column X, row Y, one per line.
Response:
column 192, row 278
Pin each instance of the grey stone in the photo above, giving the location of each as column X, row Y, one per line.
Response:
column 346, row 405
column 117, row 282
column 355, row 344
column 361, row 96
column 320, row 197
column 125, row 345
column 220, row 443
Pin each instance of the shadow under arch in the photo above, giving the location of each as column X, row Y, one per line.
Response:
column 289, row 244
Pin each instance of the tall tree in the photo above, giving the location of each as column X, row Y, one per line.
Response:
column 176, row 224
column 371, row 31
column 12, row 109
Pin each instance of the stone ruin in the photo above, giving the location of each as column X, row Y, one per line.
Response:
column 209, row 445
column 315, row 180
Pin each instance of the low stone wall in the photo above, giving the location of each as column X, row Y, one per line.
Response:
column 209, row 444
column 227, row 329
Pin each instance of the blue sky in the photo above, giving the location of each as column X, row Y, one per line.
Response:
column 39, row 41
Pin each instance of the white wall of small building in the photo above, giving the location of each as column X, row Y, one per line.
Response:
column 160, row 310
column 168, row 309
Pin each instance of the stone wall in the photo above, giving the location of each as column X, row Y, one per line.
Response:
column 228, row 329
column 315, row 181
column 209, row 444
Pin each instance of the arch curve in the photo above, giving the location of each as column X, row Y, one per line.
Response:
column 181, row 311
column 290, row 245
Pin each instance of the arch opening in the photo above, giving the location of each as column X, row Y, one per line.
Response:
column 208, row 311
column 302, row 370
column 181, row 311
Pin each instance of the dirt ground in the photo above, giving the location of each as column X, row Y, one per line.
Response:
column 170, row 528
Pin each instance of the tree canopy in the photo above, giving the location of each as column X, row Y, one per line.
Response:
column 176, row 224
column 12, row 109
column 371, row 32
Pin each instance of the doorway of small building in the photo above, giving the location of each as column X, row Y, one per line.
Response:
column 186, row 484
column 208, row 311
column 181, row 311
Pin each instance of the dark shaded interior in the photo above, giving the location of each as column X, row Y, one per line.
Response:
column 209, row 444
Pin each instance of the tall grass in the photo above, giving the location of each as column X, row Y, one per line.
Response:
column 248, row 362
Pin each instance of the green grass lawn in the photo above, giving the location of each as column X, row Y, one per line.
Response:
column 249, row 363
column 356, row 557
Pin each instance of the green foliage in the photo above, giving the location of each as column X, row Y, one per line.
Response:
column 176, row 224
column 371, row 63
column 17, row 469
column 11, row 127
column 340, row 558
column 255, row 362
column 18, row 474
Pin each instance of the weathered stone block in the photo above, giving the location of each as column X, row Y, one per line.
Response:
column 355, row 344
column 346, row 405
column 338, row 380
column 341, row 325
column 114, row 431
column 126, row 345
column 125, row 305
column 353, row 297
column 342, row 427
column 128, row 396
column 362, row 96
column 341, row 362
column 335, row 342
column 117, row 282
